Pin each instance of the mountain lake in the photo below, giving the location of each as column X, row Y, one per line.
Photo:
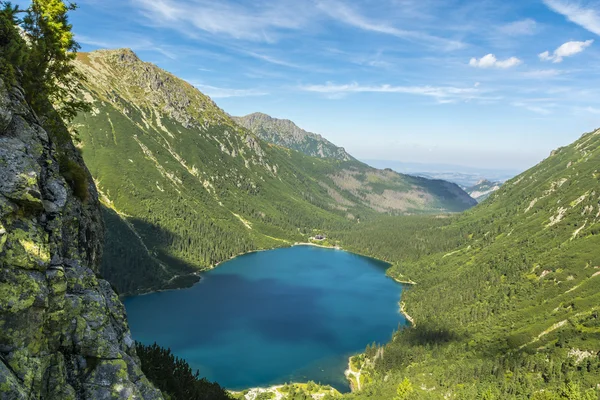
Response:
column 270, row 317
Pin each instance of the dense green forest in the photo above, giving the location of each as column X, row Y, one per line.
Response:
column 506, row 300
column 174, row 377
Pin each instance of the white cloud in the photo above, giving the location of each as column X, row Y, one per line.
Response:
column 490, row 61
column 441, row 93
column 517, row 28
column 349, row 16
column 576, row 12
column 221, row 93
column 565, row 50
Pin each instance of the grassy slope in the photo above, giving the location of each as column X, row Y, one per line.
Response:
column 189, row 188
column 507, row 293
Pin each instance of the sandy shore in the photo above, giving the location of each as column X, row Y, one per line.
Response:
column 252, row 393
column 352, row 376
column 403, row 281
column 408, row 317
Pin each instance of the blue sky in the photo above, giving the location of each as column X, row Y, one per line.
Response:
column 487, row 83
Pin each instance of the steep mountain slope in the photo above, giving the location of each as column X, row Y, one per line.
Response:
column 285, row 133
column 507, row 300
column 63, row 330
column 483, row 189
column 185, row 187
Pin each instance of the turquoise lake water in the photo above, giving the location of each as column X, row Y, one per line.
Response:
column 266, row 318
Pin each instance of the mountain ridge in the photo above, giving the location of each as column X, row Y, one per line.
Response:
column 286, row 133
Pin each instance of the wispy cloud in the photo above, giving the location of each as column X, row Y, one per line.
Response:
column 592, row 110
column 524, row 27
column 542, row 73
column 490, row 61
column 532, row 108
column 257, row 21
column 351, row 17
column 271, row 59
column 133, row 42
column 565, row 50
column 586, row 16
column 379, row 64
column 441, row 93
column 221, row 93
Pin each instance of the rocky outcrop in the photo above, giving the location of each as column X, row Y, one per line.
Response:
column 120, row 77
column 63, row 330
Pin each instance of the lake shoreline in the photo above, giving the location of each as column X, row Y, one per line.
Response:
column 408, row 317
column 210, row 268
column 403, row 281
column 352, row 376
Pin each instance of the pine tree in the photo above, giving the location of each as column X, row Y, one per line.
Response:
column 44, row 58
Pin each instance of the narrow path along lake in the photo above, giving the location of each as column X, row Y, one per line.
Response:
column 266, row 318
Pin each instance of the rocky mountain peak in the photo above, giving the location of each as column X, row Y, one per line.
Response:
column 286, row 133
column 118, row 75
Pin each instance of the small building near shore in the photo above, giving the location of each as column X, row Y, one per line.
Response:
column 320, row 237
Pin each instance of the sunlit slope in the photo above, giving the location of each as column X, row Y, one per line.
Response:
column 509, row 300
column 194, row 188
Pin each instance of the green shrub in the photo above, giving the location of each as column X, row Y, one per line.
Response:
column 265, row 396
column 12, row 47
column 75, row 175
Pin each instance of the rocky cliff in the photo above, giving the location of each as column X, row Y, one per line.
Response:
column 63, row 330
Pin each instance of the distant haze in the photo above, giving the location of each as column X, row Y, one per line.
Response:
column 459, row 174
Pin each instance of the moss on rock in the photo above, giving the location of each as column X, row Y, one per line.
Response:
column 56, row 316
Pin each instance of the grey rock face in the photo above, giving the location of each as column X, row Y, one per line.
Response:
column 63, row 331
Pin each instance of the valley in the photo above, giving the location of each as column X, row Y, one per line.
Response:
column 364, row 210
column 438, row 254
column 189, row 188
column 154, row 247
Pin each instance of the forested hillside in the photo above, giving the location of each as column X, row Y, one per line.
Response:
column 184, row 187
column 506, row 301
